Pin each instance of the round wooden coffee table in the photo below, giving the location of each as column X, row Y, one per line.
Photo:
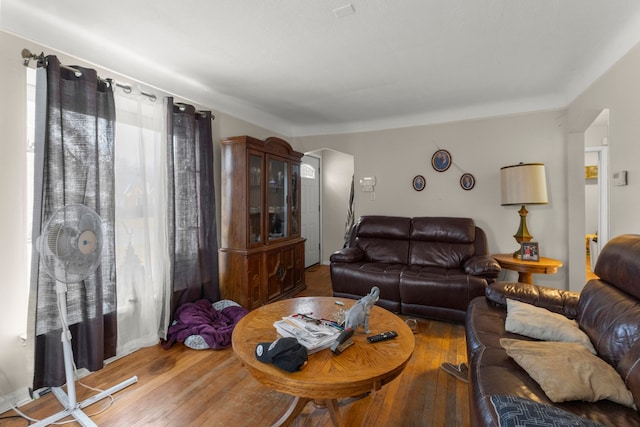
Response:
column 361, row 368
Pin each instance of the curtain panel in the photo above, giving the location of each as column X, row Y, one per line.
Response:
column 73, row 164
column 141, row 249
column 193, row 247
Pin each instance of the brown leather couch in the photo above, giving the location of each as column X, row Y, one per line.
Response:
column 607, row 310
column 424, row 266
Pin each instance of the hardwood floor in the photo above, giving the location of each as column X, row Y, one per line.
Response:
column 184, row 387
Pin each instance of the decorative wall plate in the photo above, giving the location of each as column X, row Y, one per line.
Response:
column 467, row 181
column 441, row 160
column 419, row 183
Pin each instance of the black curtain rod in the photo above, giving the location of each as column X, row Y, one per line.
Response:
column 27, row 56
column 129, row 89
column 42, row 62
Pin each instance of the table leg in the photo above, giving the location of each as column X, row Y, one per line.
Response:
column 524, row 277
column 334, row 412
column 293, row 411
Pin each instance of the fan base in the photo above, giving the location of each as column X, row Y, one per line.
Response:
column 76, row 412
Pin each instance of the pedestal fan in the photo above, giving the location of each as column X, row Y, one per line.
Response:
column 70, row 250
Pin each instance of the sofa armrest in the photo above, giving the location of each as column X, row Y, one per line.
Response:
column 555, row 300
column 347, row 255
column 482, row 265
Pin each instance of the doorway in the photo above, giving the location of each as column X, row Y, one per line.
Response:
column 310, row 209
column 596, row 188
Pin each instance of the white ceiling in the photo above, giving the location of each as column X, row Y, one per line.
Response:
column 299, row 68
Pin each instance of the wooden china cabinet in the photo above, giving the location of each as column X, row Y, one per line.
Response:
column 262, row 252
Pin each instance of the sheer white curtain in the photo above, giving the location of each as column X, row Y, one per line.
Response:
column 141, row 243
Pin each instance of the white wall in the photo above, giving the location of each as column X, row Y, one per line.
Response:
column 15, row 372
column 479, row 147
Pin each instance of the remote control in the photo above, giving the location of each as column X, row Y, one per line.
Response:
column 382, row 337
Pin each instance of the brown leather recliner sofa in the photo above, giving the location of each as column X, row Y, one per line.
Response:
column 424, row 266
column 607, row 310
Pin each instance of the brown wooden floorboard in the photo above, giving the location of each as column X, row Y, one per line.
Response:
column 184, row 387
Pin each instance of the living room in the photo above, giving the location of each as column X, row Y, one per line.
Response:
column 479, row 145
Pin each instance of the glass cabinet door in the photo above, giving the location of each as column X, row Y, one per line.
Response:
column 278, row 225
column 255, row 198
column 295, row 180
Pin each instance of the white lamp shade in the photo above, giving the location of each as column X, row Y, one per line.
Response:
column 523, row 184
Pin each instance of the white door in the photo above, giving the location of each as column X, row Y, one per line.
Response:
column 310, row 209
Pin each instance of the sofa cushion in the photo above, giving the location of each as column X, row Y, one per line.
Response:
column 347, row 255
column 443, row 229
column 540, row 323
column 568, row 371
column 385, row 227
column 383, row 238
column 441, row 241
column 517, row 411
column 484, row 265
column 555, row 300
column 448, row 296
column 384, row 250
column 619, row 265
column 629, row 370
column 610, row 318
column 355, row 280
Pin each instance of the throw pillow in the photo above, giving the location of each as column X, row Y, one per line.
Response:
column 568, row 371
column 540, row 323
column 517, row 411
column 196, row 342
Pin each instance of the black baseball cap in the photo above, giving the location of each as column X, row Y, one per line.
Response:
column 285, row 353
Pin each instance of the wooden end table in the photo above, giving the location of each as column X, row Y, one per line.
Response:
column 361, row 368
column 526, row 269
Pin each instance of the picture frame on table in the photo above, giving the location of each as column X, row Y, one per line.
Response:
column 530, row 251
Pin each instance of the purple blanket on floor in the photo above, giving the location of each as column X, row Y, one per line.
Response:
column 200, row 318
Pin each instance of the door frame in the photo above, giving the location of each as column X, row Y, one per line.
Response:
column 319, row 178
column 603, row 193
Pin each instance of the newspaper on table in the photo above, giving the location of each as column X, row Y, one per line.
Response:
column 314, row 335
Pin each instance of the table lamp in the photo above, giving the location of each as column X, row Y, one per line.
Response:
column 523, row 184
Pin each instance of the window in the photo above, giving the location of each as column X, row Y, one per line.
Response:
column 140, row 189
column 140, row 218
column 30, row 143
column 307, row 171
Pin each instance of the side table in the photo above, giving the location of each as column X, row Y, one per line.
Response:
column 526, row 269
